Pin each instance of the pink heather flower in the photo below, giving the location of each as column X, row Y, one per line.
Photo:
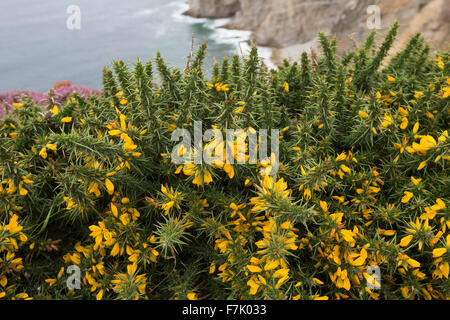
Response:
column 62, row 93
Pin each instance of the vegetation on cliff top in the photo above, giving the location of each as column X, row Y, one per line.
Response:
column 362, row 182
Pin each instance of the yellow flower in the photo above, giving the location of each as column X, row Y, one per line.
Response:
column 348, row 235
column 23, row 295
column 387, row 121
column 439, row 252
column 317, row 281
column 212, row 267
column 99, row 295
column 402, row 111
column 109, row 186
column 416, row 127
column 316, row 297
column 391, row 79
column 114, row 132
column 221, row 87
column 426, row 143
column 51, row 146
column 345, row 168
column 404, row 123
column 446, row 92
column 228, row 168
column 271, row 264
column 70, row 204
column 114, row 210
column 201, row 175
column 50, row 281
column 281, row 273
column 429, row 115
column 286, row 86
column 22, row 190
column 115, row 250
column 439, row 205
column 253, row 286
column 408, row 195
column 421, row 165
column 340, row 279
column 123, row 124
column 174, row 199
column 341, row 157
column 443, row 136
column 386, row 232
column 129, row 145
column 413, row 263
column 415, row 181
column 444, row 270
column 441, row 63
column 43, row 153
column 192, row 296
column 418, row 94
column 363, row 114
column 66, row 119
column 13, row 225
column 358, row 260
column 254, row 269
column 55, row 110
column 281, row 281
column 324, row 206
column 405, row 240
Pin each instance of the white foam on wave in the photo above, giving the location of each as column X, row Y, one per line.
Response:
column 180, row 8
column 146, row 12
column 240, row 38
column 217, row 23
column 235, row 37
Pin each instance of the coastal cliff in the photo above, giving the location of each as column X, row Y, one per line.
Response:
column 213, row 9
column 291, row 26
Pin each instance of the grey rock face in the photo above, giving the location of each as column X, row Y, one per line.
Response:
column 213, row 8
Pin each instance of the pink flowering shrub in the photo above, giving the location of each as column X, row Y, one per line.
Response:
column 62, row 91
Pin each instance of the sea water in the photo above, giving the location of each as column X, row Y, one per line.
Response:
column 38, row 47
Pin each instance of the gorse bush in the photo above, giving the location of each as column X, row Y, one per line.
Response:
column 362, row 182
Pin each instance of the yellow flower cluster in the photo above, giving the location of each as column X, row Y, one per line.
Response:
column 11, row 238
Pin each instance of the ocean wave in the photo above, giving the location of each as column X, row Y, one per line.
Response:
column 146, row 12
column 231, row 36
column 180, row 8
column 238, row 38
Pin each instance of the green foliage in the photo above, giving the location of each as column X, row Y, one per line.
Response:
column 363, row 180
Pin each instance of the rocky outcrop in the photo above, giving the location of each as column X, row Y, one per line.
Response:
column 212, row 9
column 291, row 25
column 286, row 22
